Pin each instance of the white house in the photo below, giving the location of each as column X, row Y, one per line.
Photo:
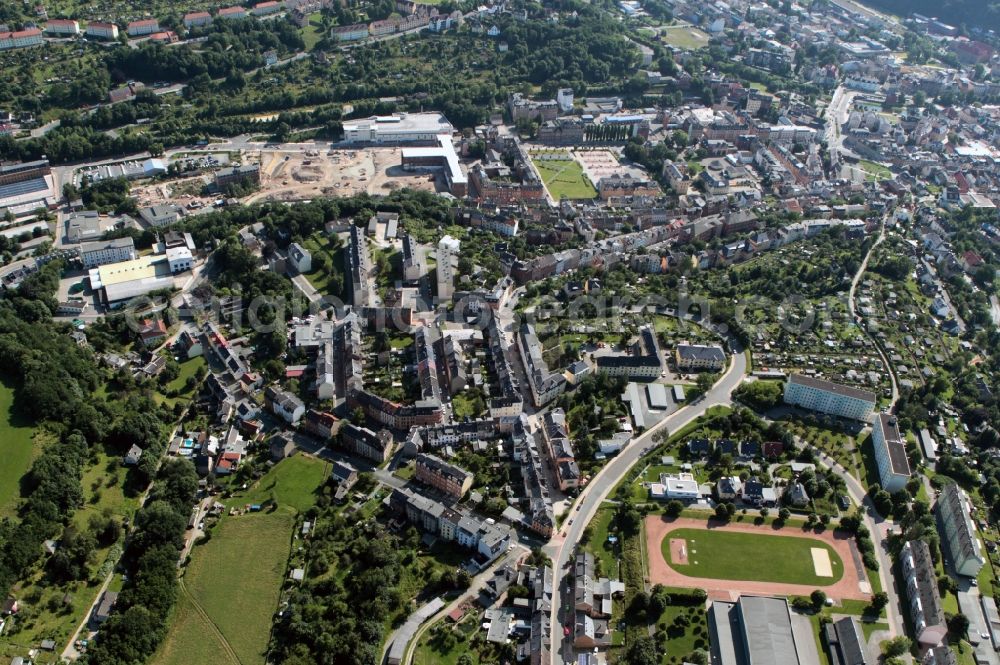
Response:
column 300, row 257
column 683, row 487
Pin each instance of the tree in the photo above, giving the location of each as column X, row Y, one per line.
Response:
column 818, row 598
column 958, row 625
column 721, row 512
column 784, row 514
column 642, row 651
column 897, row 646
column 879, row 600
column 673, row 508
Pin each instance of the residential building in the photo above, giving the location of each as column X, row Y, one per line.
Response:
column 103, row 252
column 643, row 360
column 359, row 267
column 753, row 630
column 828, row 397
column 179, row 259
column 486, row 539
column 592, row 595
column 62, row 26
column 143, row 27
column 320, row 424
column 20, row 39
column 443, row 476
column 284, row 404
column 958, row 534
column 152, row 332
column 197, row 19
column 545, row 385
column 699, row 357
column 427, row 365
column 925, row 609
column 102, row 610
column 160, row 215
column 846, row 643
column 365, row 443
column 559, row 447
column 890, row 453
column 414, row 266
column 350, row 33
column 102, row 30
column 447, row 265
column 300, row 257
column 266, row 8
column 234, row 12
column 682, row 487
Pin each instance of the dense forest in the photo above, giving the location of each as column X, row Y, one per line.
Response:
column 56, row 389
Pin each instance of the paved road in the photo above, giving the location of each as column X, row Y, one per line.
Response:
column 563, row 545
column 478, row 582
column 877, row 526
column 854, row 316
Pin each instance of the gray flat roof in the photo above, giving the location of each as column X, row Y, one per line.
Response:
column 894, row 442
column 767, row 629
column 830, row 386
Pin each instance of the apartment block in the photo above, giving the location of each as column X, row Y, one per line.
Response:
column 958, row 533
column 890, row 453
column 102, row 252
column 545, row 385
column 828, row 397
column 926, row 611
column 443, row 476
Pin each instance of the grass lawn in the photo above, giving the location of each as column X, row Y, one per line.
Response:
column 564, row 178
column 682, row 640
column 104, row 489
column 727, row 555
column 292, row 482
column 468, row 403
column 874, row 170
column 18, row 448
column 188, row 369
column 312, row 32
column 201, row 645
column 233, row 589
column 604, row 552
column 685, row 37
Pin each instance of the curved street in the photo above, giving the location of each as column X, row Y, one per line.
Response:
column 564, row 543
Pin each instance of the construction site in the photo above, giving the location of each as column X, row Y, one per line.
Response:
column 292, row 176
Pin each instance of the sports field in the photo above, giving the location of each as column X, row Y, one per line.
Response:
column 733, row 558
column 763, row 557
column 564, row 178
column 684, row 36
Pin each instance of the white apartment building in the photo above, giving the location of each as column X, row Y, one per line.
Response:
column 447, row 263
column 179, row 259
column 890, row 453
column 102, row 252
column 828, row 397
